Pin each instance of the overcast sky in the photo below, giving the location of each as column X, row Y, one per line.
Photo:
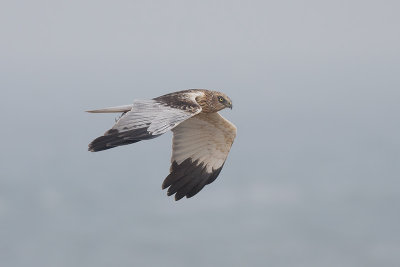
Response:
column 312, row 178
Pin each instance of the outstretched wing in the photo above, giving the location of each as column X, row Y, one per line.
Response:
column 148, row 119
column 200, row 147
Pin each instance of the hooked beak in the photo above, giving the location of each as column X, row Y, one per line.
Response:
column 230, row 105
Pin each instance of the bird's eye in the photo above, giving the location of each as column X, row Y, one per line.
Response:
column 220, row 99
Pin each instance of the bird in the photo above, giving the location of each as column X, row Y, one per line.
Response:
column 201, row 140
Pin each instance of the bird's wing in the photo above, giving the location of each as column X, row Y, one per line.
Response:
column 148, row 119
column 200, row 147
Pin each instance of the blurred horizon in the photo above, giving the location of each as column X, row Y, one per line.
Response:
column 312, row 177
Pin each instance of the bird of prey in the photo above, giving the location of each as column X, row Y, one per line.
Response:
column 201, row 140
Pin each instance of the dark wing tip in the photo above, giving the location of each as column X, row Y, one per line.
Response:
column 188, row 178
column 178, row 196
column 106, row 142
column 98, row 144
column 113, row 138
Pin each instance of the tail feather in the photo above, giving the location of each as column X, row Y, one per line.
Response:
column 118, row 109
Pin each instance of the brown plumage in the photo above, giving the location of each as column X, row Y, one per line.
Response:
column 209, row 101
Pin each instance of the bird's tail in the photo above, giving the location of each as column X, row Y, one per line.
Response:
column 118, row 109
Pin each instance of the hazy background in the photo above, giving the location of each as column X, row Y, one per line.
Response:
column 312, row 178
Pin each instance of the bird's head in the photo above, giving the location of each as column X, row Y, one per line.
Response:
column 221, row 101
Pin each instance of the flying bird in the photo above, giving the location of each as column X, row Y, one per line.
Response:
column 201, row 140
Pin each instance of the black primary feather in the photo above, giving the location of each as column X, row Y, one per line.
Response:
column 114, row 138
column 188, row 178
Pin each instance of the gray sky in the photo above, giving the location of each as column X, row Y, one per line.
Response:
column 311, row 180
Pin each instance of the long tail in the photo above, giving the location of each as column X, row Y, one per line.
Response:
column 118, row 109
